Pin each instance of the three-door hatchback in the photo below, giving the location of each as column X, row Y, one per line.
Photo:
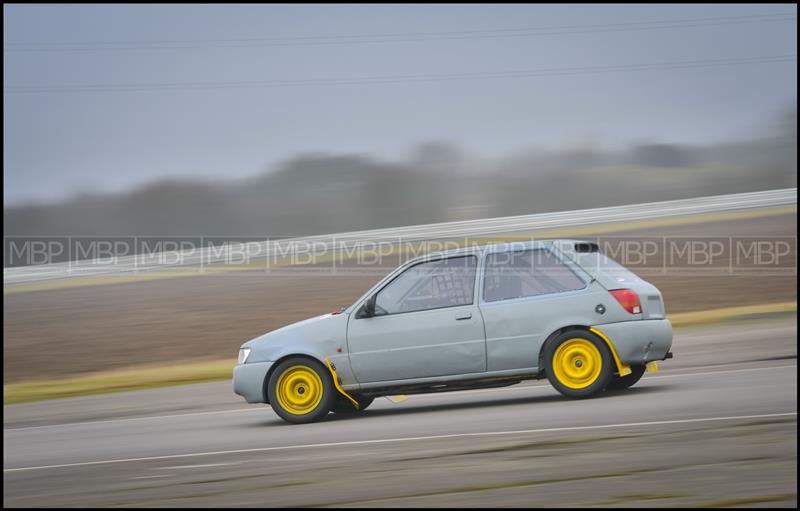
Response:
column 487, row 316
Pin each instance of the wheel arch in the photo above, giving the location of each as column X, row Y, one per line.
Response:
column 550, row 338
column 622, row 369
column 265, row 383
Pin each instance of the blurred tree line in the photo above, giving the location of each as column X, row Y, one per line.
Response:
column 438, row 182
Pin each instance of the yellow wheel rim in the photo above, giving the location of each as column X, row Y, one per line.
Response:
column 299, row 390
column 577, row 363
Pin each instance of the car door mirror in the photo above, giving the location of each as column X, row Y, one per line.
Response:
column 368, row 309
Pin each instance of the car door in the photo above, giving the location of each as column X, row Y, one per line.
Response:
column 427, row 324
column 523, row 291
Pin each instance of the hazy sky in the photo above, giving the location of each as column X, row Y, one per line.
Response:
column 59, row 142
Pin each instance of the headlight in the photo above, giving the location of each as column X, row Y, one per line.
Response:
column 243, row 354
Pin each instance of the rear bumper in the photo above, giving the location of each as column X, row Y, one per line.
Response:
column 641, row 341
column 248, row 381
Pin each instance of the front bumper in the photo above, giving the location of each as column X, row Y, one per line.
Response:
column 249, row 380
column 641, row 341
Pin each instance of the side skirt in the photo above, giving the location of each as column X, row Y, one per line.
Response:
column 430, row 388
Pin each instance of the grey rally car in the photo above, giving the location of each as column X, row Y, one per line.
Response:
column 477, row 317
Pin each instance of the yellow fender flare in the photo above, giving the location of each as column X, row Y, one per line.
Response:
column 336, row 384
column 622, row 369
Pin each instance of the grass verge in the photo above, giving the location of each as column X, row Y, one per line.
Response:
column 196, row 372
column 134, row 378
column 743, row 312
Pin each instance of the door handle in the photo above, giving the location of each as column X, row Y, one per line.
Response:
column 466, row 315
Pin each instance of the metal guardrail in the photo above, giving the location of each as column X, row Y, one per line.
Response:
column 344, row 241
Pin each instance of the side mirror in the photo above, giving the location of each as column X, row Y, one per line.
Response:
column 368, row 309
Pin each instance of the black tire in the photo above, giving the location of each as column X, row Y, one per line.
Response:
column 345, row 406
column 596, row 379
column 624, row 382
column 326, row 401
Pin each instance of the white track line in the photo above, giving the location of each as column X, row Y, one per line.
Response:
column 411, row 398
column 410, row 439
column 205, row 465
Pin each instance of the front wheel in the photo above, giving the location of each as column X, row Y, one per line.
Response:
column 578, row 364
column 301, row 390
column 624, row 382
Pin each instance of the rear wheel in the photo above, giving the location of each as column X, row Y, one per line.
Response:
column 301, row 390
column 624, row 382
column 578, row 364
column 345, row 406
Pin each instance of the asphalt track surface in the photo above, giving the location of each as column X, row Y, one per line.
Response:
column 717, row 426
column 346, row 241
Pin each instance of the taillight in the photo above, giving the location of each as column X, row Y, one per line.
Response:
column 628, row 299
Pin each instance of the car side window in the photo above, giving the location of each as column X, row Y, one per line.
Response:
column 431, row 285
column 519, row 274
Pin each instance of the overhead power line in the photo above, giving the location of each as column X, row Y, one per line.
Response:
column 393, row 79
column 64, row 46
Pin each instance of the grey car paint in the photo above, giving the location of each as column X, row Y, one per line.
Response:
column 436, row 342
column 482, row 339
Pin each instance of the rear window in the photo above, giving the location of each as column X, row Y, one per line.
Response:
column 597, row 262
column 525, row 273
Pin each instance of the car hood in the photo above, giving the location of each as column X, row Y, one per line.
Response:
column 318, row 336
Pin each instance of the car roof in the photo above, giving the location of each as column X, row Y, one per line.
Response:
column 498, row 247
